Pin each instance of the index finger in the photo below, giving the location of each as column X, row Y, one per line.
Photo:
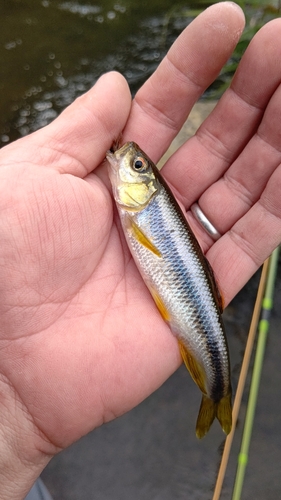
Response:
column 163, row 103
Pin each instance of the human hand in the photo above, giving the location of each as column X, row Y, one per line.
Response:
column 231, row 167
column 81, row 339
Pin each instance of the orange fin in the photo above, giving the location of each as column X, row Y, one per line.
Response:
column 160, row 304
column 224, row 413
column 215, row 287
column 195, row 369
column 142, row 238
column 206, row 416
column 209, row 410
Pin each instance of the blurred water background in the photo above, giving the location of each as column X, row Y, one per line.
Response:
column 51, row 51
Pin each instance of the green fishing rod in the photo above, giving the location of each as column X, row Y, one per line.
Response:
column 262, row 337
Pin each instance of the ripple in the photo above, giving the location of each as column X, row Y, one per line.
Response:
column 77, row 8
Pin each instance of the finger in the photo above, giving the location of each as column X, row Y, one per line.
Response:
column 163, row 103
column 243, row 183
column 76, row 141
column 240, row 252
column 225, row 133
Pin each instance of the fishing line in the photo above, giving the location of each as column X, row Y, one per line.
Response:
column 242, row 380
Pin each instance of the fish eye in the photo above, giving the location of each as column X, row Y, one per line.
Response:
column 140, row 164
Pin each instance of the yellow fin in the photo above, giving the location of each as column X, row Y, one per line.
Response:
column 224, row 413
column 160, row 305
column 206, row 415
column 209, row 410
column 196, row 371
column 142, row 238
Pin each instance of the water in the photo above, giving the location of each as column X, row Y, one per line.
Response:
column 53, row 51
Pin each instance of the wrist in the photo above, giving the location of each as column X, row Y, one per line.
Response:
column 23, row 451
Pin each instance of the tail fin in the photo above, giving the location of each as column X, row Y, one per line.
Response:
column 224, row 413
column 206, row 416
column 209, row 410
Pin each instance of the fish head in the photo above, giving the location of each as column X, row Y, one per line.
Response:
column 132, row 175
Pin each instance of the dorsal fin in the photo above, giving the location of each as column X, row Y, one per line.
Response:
column 216, row 291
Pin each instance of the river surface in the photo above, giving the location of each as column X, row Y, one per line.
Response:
column 50, row 53
column 53, row 51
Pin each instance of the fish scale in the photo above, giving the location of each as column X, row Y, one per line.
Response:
column 181, row 283
column 177, row 274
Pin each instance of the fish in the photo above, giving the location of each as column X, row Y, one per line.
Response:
column 178, row 276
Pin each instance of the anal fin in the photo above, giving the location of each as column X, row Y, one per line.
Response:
column 195, row 369
column 160, row 304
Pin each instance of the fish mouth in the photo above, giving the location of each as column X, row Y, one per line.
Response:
column 113, row 158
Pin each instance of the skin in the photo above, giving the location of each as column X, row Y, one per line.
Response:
column 73, row 351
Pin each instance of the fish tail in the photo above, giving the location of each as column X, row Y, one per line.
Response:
column 209, row 409
column 206, row 415
column 224, row 413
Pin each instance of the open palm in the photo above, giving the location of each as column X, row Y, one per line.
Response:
column 77, row 316
column 81, row 340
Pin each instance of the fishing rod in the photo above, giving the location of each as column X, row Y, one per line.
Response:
column 251, row 407
column 261, row 301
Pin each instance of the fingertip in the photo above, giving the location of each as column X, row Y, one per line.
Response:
column 193, row 62
column 270, row 32
column 87, row 128
column 115, row 81
column 227, row 16
column 231, row 7
column 111, row 94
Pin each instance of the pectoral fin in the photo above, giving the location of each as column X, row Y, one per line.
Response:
column 195, row 369
column 141, row 237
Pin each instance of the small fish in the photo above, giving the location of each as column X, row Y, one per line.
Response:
column 177, row 275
